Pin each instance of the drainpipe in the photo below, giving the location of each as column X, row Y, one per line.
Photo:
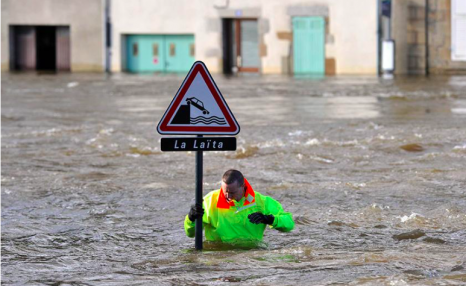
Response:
column 108, row 36
column 427, row 37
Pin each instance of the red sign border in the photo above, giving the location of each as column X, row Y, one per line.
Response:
column 232, row 129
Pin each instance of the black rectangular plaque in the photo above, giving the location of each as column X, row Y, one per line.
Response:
column 198, row 144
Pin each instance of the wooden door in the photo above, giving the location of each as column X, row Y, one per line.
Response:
column 246, row 45
column 24, row 48
column 63, row 48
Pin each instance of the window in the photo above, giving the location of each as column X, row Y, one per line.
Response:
column 191, row 50
column 172, row 49
column 135, row 49
column 155, row 50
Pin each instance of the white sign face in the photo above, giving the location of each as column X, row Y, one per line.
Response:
column 198, row 107
column 388, row 55
column 203, row 109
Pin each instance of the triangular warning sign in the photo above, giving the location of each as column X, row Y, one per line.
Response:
column 198, row 107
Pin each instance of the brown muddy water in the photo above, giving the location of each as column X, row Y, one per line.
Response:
column 373, row 170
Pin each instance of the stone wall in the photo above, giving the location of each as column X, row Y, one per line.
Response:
column 440, row 59
column 408, row 24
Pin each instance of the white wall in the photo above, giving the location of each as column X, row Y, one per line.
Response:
column 151, row 17
column 352, row 39
column 354, row 26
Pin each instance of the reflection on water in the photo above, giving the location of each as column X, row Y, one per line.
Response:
column 459, row 107
column 372, row 170
column 351, row 107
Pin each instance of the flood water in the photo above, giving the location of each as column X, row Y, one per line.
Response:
column 373, row 170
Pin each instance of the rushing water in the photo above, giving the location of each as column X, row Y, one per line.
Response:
column 373, row 170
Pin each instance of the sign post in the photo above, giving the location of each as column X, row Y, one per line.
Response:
column 198, row 108
column 199, row 175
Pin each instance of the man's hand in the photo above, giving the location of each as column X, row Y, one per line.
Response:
column 258, row 217
column 195, row 212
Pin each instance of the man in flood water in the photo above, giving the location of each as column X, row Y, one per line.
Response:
column 237, row 213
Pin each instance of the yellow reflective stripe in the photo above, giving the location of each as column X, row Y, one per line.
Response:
column 245, row 207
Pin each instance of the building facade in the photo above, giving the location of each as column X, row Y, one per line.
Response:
column 319, row 37
column 269, row 37
column 430, row 36
column 53, row 35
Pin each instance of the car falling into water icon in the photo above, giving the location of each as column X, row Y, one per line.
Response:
column 197, row 103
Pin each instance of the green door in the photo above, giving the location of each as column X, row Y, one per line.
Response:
column 159, row 53
column 309, row 45
column 180, row 53
column 144, row 53
column 132, row 53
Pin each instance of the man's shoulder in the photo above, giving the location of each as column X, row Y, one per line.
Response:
column 259, row 195
column 263, row 198
column 213, row 195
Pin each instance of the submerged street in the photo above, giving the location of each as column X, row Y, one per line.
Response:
column 372, row 169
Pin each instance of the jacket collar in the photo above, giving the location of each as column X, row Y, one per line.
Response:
column 250, row 197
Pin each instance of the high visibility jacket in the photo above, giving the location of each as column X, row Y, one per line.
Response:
column 228, row 221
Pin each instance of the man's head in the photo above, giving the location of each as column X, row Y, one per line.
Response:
column 233, row 185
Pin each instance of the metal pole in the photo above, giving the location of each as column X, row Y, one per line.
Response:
column 198, row 236
column 108, row 36
column 379, row 36
column 389, row 32
column 427, row 36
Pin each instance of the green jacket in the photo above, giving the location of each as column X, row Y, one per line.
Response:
column 226, row 222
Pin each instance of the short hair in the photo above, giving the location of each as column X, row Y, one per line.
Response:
column 232, row 176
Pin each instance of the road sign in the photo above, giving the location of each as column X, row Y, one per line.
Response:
column 199, row 144
column 198, row 108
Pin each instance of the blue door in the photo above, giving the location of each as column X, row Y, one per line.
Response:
column 309, row 45
column 145, row 53
column 179, row 53
column 159, row 53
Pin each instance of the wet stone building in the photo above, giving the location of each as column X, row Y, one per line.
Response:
column 430, row 36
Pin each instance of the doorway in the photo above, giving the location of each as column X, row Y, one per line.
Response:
column 240, row 46
column 46, row 48
column 42, row 48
